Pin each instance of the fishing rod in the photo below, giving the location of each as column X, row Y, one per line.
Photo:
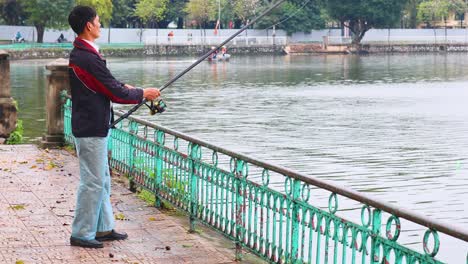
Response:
column 159, row 107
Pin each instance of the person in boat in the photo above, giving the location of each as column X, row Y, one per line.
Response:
column 214, row 54
column 223, row 50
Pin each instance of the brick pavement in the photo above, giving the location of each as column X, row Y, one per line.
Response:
column 37, row 197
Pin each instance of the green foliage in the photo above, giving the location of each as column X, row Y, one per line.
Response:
column 42, row 14
column 103, row 9
column 201, row 11
column 176, row 12
column 410, row 13
column 246, row 9
column 432, row 11
column 147, row 196
column 123, row 13
column 12, row 12
column 168, row 176
column 16, row 137
column 172, row 182
column 151, row 10
column 364, row 15
column 294, row 16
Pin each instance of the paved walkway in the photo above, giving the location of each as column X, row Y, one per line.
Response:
column 37, row 197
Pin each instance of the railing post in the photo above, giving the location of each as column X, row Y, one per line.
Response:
column 8, row 111
column 376, row 226
column 195, row 156
column 296, row 192
column 239, row 213
column 131, row 153
column 58, row 81
column 159, row 166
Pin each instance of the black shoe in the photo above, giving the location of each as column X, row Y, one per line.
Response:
column 93, row 243
column 113, row 235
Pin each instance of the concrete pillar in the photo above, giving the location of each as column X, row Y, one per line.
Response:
column 58, row 81
column 8, row 111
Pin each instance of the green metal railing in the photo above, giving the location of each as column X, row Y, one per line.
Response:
column 264, row 208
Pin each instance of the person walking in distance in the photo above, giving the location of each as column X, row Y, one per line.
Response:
column 93, row 88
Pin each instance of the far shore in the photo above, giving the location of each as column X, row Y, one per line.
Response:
column 51, row 50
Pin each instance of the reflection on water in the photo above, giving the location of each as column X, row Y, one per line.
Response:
column 28, row 82
column 392, row 125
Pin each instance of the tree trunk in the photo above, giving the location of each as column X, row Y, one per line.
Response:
column 413, row 18
column 40, row 32
column 342, row 27
column 358, row 29
column 180, row 22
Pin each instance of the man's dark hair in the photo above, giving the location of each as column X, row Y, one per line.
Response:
column 79, row 16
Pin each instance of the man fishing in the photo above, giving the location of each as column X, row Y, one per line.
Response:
column 93, row 88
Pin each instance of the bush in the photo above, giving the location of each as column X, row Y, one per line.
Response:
column 16, row 137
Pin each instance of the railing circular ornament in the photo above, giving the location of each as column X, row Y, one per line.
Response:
column 366, row 209
column 272, row 201
column 435, row 236
column 288, row 186
column 244, row 169
column 333, row 203
column 232, row 165
column 265, row 177
column 198, row 151
column 176, row 143
column 214, row 158
column 189, row 149
column 305, row 192
column 391, row 220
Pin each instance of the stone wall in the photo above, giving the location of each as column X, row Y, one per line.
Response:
column 146, row 51
column 377, row 48
column 422, row 48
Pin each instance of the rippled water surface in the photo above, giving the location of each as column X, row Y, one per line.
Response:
column 395, row 126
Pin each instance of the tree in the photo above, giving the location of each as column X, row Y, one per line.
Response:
column 411, row 13
column 294, row 16
column 12, row 12
column 151, row 10
column 42, row 14
column 123, row 13
column 246, row 9
column 364, row 15
column 175, row 12
column 103, row 9
column 201, row 11
column 432, row 11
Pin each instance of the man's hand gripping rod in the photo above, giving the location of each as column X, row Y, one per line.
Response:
column 202, row 58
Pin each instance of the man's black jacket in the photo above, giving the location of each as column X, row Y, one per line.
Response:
column 93, row 88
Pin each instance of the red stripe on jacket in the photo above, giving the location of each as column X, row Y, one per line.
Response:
column 95, row 85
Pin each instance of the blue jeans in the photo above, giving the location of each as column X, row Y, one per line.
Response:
column 93, row 212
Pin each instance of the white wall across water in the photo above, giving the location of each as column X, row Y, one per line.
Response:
column 132, row 35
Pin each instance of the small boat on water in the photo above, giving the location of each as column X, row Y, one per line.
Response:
column 220, row 57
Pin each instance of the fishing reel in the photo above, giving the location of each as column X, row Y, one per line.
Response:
column 156, row 106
